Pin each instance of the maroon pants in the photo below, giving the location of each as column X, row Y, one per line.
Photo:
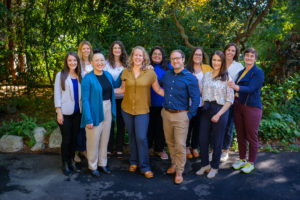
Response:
column 247, row 119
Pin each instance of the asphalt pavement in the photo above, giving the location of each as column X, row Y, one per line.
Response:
column 39, row 177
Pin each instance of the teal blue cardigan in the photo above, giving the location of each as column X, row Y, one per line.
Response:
column 92, row 100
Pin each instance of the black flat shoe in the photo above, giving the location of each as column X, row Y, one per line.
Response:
column 65, row 168
column 119, row 154
column 105, row 170
column 73, row 167
column 95, row 173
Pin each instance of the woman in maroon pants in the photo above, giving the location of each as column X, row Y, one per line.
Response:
column 247, row 110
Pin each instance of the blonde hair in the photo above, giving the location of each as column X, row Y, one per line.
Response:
column 146, row 60
column 84, row 42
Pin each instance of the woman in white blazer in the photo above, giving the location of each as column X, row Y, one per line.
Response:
column 67, row 99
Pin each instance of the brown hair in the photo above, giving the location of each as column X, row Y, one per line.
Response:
column 179, row 51
column 84, row 42
column 237, row 50
column 251, row 50
column 65, row 72
column 123, row 57
column 223, row 74
column 146, row 60
column 190, row 63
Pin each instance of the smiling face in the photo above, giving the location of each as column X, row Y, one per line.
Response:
column 249, row 59
column 157, row 56
column 230, row 53
column 177, row 60
column 117, row 51
column 138, row 57
column 72, row 63
column 198, row 57
column 98, row 63
column 85, row 50
column 216, row 62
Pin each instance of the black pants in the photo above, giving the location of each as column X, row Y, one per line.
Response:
column 156, row 137
column 213, row 132
column 119, row 141
column 69, row 131
column 194, row 128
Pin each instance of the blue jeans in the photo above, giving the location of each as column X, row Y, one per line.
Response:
column 228, row 130
column 137, row 126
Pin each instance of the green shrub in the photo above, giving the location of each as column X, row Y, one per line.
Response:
column 278, row 127
column 21, row 128
column 49, row 126
column 281, row 114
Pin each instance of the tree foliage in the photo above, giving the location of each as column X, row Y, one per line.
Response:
column 36, row 34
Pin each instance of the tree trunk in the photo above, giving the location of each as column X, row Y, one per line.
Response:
column 10, row 64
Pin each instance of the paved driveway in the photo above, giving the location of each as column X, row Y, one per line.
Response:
column 38, row 176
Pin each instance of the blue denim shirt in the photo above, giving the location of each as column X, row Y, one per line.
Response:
column 156, row 99
column 178, row 89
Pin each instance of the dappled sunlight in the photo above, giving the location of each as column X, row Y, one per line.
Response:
column 280, row 179
column 292, row 161
column 269, row 164
column 233, row 173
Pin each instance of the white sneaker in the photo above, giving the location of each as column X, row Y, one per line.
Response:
column 77, row 158
column 248, row 168
column 224, row 156
column 212, row 173
column 239, row 164
column 210, row 156
column 202, row 170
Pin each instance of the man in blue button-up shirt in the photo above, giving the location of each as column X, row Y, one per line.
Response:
column 180, row 86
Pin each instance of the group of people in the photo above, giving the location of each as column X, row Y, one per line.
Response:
column 159, row 101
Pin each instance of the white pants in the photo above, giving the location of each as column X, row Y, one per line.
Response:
column 97, row 139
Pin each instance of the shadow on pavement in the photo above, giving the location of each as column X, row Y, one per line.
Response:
column 38, row 176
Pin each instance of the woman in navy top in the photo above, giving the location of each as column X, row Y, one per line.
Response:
column 156, row 138
column 247, row 110
column 67, row 97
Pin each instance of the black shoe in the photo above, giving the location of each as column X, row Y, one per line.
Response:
column 73, row 167
column 95, row 173
column 65, row 168
column 119, row 154
column 104, row 170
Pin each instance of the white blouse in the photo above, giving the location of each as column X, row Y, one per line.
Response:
column 234, row 69
column 87, row 69
column 115, row 73
column 216, row 90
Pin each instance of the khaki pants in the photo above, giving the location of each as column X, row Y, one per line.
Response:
column 97, row 139
column 176, row 127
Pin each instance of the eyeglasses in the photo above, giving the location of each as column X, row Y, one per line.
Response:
column 156, row 54
column 176, row 58
column 198, row 55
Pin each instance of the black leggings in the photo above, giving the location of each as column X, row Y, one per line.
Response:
column 156, row 137
column 69, row 131
column 119, row 140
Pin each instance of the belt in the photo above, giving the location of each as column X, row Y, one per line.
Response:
column 174, row 111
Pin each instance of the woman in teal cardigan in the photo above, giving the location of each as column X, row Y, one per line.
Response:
column 98, row 110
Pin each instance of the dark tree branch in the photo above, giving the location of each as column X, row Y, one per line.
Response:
column 253, row 25
column 181, row 29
